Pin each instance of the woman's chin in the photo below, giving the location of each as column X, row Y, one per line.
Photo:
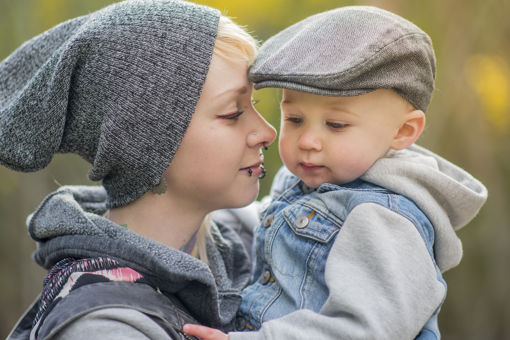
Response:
column 248, row 196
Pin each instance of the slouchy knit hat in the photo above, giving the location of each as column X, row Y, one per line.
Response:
column 117, row 87
column 349, row 51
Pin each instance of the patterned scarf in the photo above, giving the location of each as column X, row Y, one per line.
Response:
column 69, row 274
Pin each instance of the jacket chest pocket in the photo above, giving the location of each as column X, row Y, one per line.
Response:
column 300, row 242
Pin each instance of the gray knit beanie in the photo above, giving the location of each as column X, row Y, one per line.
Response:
column 350, row 51
column 117, row 87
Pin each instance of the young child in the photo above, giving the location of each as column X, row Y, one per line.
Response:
column 361, row 223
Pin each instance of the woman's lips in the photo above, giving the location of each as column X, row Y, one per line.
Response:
column 256, row 169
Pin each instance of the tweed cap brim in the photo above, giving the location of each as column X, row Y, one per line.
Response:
column 117, row 87
column 349, row 51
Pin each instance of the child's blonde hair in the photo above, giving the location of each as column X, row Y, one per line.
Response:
column 232, row 43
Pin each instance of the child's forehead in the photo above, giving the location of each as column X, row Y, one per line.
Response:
column 295, row 97
column 289, row 96
column 370, row 102
column 292, row 99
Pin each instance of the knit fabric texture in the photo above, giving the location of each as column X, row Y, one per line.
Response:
column 117, row 87
column 350, row 51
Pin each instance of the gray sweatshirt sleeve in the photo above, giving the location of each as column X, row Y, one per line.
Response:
column 112, row 323
column 242, row 220
column 381, row 279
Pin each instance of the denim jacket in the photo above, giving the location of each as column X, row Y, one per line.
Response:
column 293, row 242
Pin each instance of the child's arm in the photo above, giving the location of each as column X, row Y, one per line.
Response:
column 203, row 332
column 381, row 279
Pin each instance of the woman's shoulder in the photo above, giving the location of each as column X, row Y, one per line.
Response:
column 110, row 323
column 108, row 310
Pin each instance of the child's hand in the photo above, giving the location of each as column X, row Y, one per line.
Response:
column 203, row 332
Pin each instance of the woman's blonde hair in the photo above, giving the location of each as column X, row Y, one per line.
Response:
column 232, row 43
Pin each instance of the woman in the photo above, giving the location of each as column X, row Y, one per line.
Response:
column 154, row 94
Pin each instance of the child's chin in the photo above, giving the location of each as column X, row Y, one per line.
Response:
column 313, row 184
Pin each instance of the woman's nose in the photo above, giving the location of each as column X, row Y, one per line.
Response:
column 263, row 133
column 309, row 141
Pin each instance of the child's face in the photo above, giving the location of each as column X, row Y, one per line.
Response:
column 211, row 168
column 336, row 139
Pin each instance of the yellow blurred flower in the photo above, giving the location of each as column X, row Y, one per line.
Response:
column 490, row 78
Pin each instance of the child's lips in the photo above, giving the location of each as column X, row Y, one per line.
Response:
column 310, row 167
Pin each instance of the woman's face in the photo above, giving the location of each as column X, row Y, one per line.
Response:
column 217, row 163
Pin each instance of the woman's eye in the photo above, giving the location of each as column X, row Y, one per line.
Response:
column 336, row 125
column 233, row 115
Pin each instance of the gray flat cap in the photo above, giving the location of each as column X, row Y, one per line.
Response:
column 349, row 51
column 117, row 87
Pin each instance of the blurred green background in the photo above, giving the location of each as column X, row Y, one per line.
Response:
column 468, row 123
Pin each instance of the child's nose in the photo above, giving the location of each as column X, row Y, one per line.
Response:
column 309, row 141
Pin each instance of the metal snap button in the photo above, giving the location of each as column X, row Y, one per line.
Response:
column 266, row 276
column 268, row 220
column 302, row 222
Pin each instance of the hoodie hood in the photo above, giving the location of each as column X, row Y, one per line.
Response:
column 70, row 223
column 448, row 195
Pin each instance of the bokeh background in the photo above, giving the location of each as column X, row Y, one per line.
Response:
column 468, row 123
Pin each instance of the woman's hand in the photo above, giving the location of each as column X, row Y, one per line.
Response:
column 203, row 332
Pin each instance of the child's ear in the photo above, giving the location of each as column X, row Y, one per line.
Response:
column 410, row 130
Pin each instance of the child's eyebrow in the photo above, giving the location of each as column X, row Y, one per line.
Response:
column 341, row 109
column 336, row 107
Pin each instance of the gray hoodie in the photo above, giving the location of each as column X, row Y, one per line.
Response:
column 69, row 223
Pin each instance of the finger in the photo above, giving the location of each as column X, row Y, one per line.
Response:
column 206, row 333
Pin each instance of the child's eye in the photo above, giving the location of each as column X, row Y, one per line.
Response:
column 294, row 120
column 232, row 115
column 336, row 125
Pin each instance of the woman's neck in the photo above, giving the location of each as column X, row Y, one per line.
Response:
column 162, row 218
